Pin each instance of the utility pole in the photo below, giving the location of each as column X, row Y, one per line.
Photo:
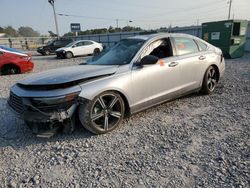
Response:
column 117, row 23
column 229, row 11
column 53, row 6
column 197, row 31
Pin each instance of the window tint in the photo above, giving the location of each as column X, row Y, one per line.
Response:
column 57, row 43
column 185, row 46
column 80, row 44
column 88, row 42
column 66, row 42
column 201, row 45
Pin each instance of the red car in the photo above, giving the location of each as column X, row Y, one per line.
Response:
column 13, row 61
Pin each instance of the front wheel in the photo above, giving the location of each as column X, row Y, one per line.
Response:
column 209, row 81
column 103, row 114
column 68, row 55
column 46, row 52
column 10, row 69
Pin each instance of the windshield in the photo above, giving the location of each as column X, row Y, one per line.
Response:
column 50, row 42
column 122, row 53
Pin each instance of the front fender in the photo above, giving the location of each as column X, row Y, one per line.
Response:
column 120, row 83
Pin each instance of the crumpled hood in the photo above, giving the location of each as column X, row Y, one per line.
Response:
column 68, row 74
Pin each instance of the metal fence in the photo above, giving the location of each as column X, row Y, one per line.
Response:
column 108, row 39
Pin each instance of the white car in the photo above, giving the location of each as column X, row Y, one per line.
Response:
column 79, row 48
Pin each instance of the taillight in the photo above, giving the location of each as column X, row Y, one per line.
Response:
column 221, row 57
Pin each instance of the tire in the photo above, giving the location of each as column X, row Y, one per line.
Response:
column 96, row 51
column 209, row 81
column 46, row 52
column 103, row 114
column 10, row 69
column 68, row 55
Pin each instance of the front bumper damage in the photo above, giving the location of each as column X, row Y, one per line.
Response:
column 46, row 124
column 60, row 54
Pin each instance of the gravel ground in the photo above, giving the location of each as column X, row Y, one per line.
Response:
column 195, row 141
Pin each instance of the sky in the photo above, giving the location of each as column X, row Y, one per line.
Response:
column 91, row 14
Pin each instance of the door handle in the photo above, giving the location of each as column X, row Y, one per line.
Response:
column 202, row 57
column 173, row 64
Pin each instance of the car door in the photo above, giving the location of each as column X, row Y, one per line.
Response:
column 190, row 62
column 156, row 83
column 78, row 48
column 88, row 47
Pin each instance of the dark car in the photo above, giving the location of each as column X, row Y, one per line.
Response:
column 53, row 45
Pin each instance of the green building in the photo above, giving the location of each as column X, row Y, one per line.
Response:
column 228, row 35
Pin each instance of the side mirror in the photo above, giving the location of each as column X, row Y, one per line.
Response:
column 73, row 46
column 148, row 60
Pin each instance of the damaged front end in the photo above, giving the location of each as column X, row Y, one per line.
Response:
column 45, row 115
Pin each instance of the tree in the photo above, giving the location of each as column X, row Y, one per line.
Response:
column 105, row 30
column 1, row 29
column 28, row 32
column 10, row 31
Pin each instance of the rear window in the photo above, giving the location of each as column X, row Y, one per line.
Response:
column 201, row 45
column 185, row 46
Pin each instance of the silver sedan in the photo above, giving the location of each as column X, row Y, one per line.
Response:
column 135, row 74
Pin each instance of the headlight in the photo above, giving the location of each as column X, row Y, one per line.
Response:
column 55, row 100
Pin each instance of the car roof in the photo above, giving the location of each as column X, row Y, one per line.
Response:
column 160, row 35
column 84, row 40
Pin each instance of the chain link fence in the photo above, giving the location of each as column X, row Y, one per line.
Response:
column 108, row 39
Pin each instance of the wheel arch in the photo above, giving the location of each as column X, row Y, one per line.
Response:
column 69, row 51
column 11, row 64
column 217, row 71
column 126, row 103
column 121, row 93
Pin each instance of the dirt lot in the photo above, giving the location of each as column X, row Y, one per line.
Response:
column 195, row 141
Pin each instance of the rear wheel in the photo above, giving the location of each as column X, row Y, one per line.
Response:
column 209, row 80
column 10, row 69
column 96, row 51
column 103, row 114
column 68, row 55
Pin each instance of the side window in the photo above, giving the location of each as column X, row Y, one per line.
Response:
column 160, row 48
column 57, row 43
column 185, row 45
column 79, row 44
column 201, row 45
column 88, row 43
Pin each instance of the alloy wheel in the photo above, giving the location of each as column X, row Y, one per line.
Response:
column 106, row 112
column 211, row 79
